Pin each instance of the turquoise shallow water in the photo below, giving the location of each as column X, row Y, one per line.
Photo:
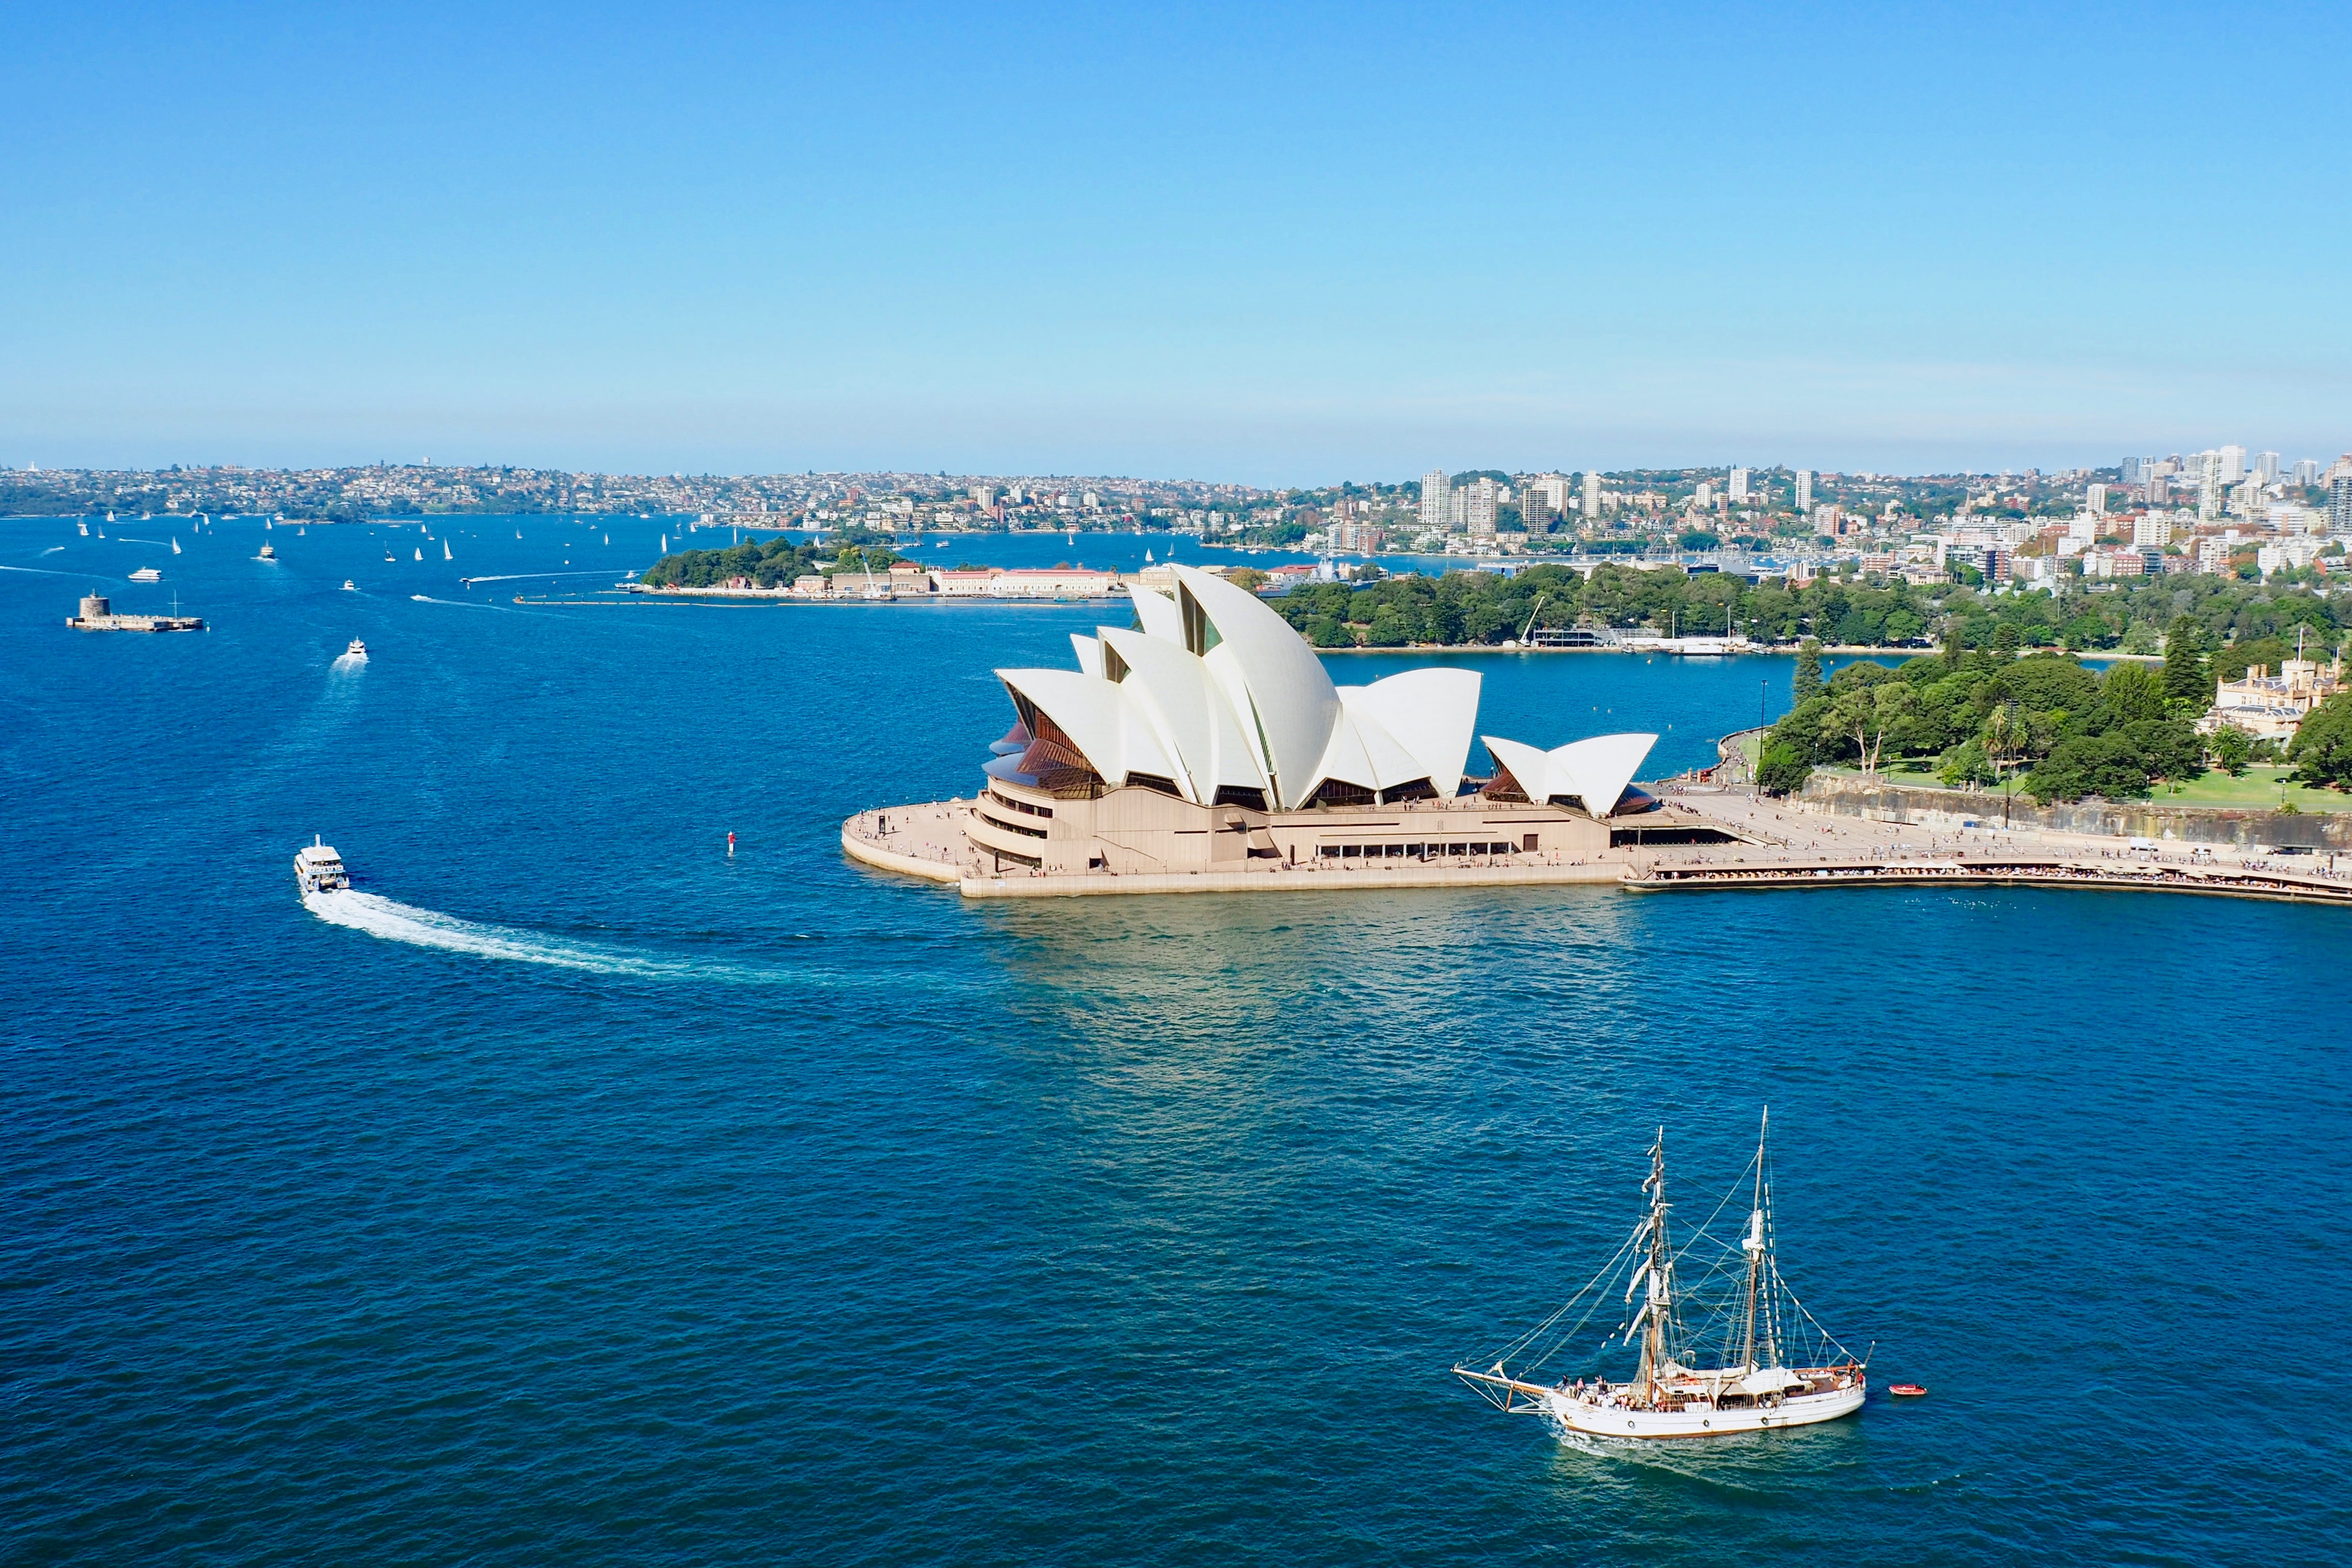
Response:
column 623, row 1202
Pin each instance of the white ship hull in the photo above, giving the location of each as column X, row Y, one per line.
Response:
column 1590, row 1414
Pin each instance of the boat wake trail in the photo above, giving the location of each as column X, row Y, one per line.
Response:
column 381, row 917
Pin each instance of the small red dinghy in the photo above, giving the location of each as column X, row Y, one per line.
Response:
column 1909, row 1390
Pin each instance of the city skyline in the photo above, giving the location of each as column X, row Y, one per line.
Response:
column 1232, row 245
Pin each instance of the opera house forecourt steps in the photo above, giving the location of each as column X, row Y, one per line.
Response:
column 1210, row 751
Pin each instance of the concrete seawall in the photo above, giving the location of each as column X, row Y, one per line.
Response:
column 1875, row 800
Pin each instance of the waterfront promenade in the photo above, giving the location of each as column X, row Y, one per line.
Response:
column 1778, row 843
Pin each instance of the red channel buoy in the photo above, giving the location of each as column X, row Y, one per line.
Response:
column 1907, row 1390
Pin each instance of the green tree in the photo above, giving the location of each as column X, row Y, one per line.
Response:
column 2133, row 692
column 2185, row 677
column 2104, row 765
column 2230, row 746
column 1968, row 764
column 1781, row 768
column 2322, row 750
column 1866, row 713
column 1809, row 671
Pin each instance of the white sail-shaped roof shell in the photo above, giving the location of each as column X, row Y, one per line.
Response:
column 1196, row 720
column 1218, row 692
column 1428, row 713
column 1595, row 770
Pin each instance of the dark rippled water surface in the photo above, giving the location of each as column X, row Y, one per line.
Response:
column 597, row 1198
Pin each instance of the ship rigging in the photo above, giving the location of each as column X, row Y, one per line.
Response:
column 1772, row 1365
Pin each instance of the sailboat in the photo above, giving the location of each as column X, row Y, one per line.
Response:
column 517, row 533
column 608, row 539
column 664, row 543
column 1772, row 1365
column 1147, row 556
column 420, row 552
column 445, row 551
column 175, row 545
column 85, row 528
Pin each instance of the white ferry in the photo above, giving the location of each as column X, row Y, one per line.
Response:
column 1774, row 1366
column 318, row 869
column 268, row 552
column 350, row 587
column 357, row 651
column 146, row 574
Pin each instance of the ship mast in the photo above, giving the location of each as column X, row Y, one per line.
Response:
column 1657, row 1274
column 1754, row 1245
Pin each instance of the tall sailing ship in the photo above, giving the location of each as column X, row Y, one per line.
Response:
column 1726, row 1347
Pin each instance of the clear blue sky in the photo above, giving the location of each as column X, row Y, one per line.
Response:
column 1276, row 243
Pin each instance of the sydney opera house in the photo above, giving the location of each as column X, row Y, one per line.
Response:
column 1208, row 739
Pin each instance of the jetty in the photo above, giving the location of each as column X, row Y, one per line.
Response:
column 97, row 616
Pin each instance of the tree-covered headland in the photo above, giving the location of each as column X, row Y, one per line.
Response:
column 771, row 563
column 1463, row 607
column 2055, row 728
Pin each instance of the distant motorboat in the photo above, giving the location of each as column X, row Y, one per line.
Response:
column 146, row 574
column 350, row 587
column 268, row 552
column 357, row 651
column 85, row 528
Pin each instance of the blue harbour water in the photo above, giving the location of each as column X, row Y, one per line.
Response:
column 600, row 1198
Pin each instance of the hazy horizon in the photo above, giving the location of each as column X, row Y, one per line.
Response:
column 1269, row 248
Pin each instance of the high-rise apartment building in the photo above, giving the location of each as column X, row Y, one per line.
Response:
column 1591, row 497
column 1478, row 509
column 1702, row 498
column 2267, row 467
column 984, row 496
column 1437, row 502
column 2209, row 486
column 2307, row 471
column 2339, row 504
column 1554, row 488
column 2233, row 464
column 2150, row 532
column 1738, row 490
column 2094, row 500
column 1805, row 489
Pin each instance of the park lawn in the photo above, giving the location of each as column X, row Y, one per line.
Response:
column 2257, row 790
